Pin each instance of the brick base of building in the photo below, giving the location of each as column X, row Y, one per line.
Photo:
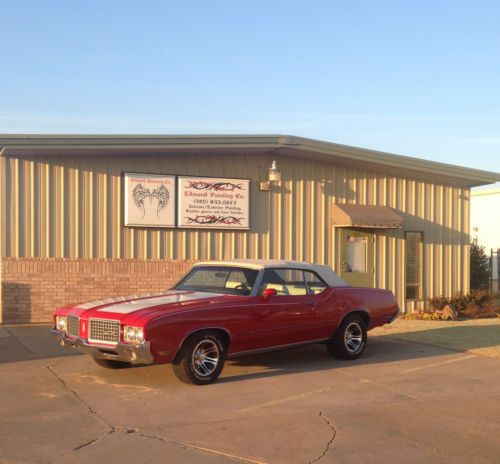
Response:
column 33, row 287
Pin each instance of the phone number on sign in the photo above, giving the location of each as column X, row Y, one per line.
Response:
column 200, row 201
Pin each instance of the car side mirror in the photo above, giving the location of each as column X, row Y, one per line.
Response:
column 268, row 293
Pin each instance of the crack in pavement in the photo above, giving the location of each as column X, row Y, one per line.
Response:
column 330, row 442
column 201, row 448
column 132, row 430
column 91, row 442
column 79, row 398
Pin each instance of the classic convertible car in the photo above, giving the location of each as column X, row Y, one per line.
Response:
column 224, row 309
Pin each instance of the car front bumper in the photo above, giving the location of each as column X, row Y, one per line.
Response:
column 135, row 354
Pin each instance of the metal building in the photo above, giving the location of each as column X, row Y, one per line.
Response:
column 379, row 219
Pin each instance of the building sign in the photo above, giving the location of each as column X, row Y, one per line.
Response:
column 149, row 200
column 213, row 203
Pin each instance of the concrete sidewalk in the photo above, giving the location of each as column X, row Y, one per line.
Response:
column 402, row 402
column 478, row 336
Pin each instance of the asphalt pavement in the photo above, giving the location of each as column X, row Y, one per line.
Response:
column 403, row 401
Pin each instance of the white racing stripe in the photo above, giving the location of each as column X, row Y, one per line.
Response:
column 136, row 305
column 96, row 303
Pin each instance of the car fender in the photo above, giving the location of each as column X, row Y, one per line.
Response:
column 187, row 334
column 356, row 310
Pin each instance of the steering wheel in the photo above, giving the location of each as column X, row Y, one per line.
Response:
column 243, row 287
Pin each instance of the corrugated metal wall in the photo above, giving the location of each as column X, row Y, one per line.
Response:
column 72, row 207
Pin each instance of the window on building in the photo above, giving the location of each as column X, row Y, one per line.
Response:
column 414, row 265
column 356, row 252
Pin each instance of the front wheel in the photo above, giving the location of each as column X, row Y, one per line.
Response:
column 350, row 339
column 201, row 359
column 111, row 363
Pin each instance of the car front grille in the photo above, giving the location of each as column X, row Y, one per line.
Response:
column 104, row 331
column 73, row 326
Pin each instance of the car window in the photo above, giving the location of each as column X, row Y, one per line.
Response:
column 284, row 281
column 237, row 279
column 219, row 279
column 314, row 283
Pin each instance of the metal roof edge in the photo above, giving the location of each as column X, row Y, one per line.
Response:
column 477, row 176
column 42, row 140
column 473, row 177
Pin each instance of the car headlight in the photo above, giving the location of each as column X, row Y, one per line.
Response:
column 61, row 323
column 133, row 334
column 139, row 334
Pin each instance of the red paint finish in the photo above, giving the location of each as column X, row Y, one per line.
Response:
column 249, row 322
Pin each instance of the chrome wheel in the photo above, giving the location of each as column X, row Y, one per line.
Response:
column 205, row 358
column 353, row 337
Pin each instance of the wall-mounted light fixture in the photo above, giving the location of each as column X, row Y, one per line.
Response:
column 274, row 177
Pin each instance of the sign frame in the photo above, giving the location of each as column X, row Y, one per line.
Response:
column 172, row 223
column 228, row 228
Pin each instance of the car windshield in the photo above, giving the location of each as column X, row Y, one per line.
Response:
column 219, row 279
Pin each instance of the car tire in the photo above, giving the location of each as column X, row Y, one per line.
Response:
column 111, row 363
column 201, row 359
column 349, row 341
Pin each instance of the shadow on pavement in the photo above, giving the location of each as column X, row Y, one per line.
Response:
column 28, row 343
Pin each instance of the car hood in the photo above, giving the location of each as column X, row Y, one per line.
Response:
column 138, row 309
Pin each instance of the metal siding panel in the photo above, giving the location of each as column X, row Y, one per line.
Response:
column 72, row 207
column 45, row 211
column 447, row 236
column 3, row 211
column 14, row 210
column 466, row 240
column 299, row 218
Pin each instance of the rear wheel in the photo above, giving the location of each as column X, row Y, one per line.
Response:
column 349, row 341
column 201, row 359
column 111, row 363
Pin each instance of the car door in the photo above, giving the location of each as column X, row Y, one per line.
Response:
column 327, row 309
column 289, row 316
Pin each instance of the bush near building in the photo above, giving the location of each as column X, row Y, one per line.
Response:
column 476, row 304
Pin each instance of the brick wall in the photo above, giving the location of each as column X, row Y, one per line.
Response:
column 33, row 287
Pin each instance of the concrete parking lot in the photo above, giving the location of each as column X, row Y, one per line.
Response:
column 406, row 400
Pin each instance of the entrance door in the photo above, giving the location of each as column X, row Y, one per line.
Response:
column 356, row 257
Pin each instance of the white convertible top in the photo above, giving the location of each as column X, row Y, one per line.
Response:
column 324, row 271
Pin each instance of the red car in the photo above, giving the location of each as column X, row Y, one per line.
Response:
column 224, row 309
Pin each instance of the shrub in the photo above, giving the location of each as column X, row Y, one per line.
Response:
column 477, row 303
column 438, row 303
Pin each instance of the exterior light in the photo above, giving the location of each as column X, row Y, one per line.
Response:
column 274, row 173
column 274, row 177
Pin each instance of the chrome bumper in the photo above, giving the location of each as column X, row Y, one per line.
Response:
column 135, row 354
column 392, row 318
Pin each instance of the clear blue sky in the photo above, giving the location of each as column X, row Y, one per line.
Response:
column 414, row 78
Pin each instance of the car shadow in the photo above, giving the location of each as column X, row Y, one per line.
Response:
column 379, row 350
column 28, row 343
